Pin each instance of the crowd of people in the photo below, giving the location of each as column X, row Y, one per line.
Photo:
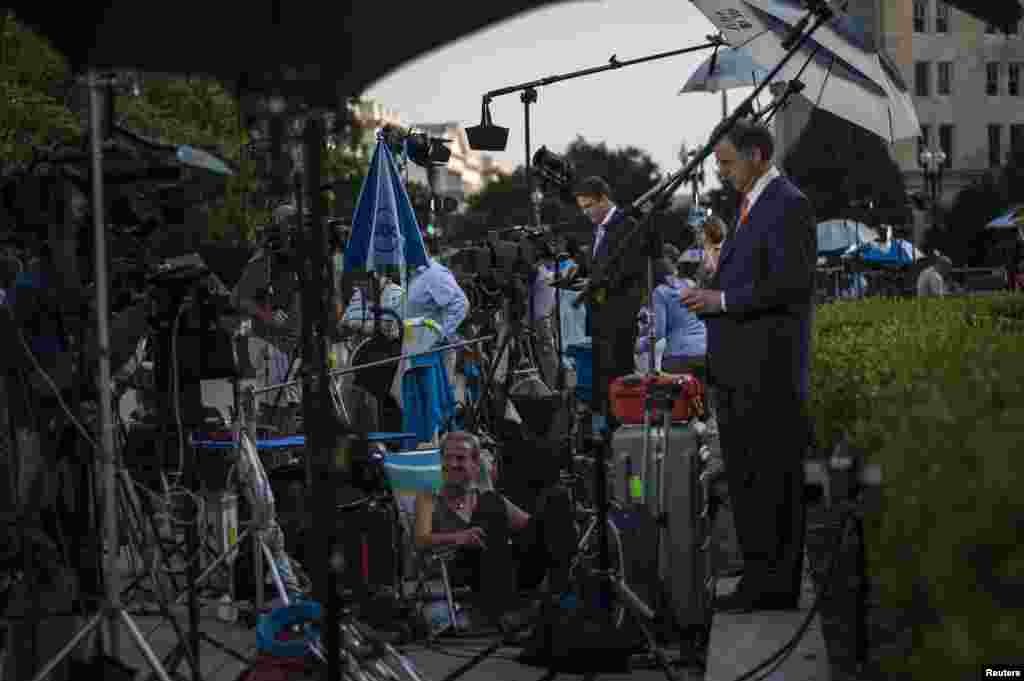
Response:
column 742, row 320
column 739, row 317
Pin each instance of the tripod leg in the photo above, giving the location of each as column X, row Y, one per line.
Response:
column 147, row 652
column 658, row 653
column 69, row 647
column 211, row 567
column 643, row 616
column 183, row 649
column 486, row 387
column 131, row 503
column 275, row 574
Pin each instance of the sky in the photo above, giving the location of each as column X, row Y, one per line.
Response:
column 636, row 105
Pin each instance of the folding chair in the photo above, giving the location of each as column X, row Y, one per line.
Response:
column 408, row 473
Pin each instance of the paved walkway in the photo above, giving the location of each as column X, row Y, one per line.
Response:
column 741, row 642
column 433, row 664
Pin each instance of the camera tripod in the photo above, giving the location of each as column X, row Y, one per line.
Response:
column 516, row 355
column 616, row 598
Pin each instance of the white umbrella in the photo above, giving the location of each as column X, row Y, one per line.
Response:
column 840, row 70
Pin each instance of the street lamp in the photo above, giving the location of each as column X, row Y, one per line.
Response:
column 933, row 163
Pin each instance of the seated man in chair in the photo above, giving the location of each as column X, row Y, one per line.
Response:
column 501, row 548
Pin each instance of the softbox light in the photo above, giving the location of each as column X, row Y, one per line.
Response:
column 487, row 136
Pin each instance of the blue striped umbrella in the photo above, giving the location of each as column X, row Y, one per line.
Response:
column 733, row 68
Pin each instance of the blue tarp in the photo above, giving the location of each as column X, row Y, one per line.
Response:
column 895, row 251
column 428, row 399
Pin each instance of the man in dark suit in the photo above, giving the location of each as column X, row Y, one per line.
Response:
column 613, row 309
column 758, row 311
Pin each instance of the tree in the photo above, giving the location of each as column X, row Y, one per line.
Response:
column 840, row 165
column 35, row 109
column 629, row 171
column 43, row 105
column 502, row 203
column 964, row 238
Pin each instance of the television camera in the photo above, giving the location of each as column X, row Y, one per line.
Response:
column 555, row 173
column 502, row 266
column 422, row 149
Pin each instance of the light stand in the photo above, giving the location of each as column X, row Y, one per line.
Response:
column 112, row 614
column 658, row 198
column 529, row 97
column 486, row 137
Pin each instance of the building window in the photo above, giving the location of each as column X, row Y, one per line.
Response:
column 920, row 16
column 995, row 146
column 941, row 17
column 1017, row 138
column 946, row 143
column 1013, row 83
column 945, row 86
column 992, row 78
column 922, row 78
column 990, row 29
column 925, row 140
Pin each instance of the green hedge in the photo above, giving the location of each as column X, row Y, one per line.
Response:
column 933, row 391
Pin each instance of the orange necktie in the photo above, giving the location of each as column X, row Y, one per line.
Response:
column 744, row 208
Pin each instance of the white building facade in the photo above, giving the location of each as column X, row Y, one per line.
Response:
column 967, row 82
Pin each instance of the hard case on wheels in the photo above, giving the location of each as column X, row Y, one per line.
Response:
column 673, row 466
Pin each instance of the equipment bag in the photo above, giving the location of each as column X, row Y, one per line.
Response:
column 627, row 395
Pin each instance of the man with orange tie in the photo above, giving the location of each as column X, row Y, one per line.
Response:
column 758, row 309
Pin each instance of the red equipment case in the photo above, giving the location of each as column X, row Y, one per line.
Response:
column 627, row 396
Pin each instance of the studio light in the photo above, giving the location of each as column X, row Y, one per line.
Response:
column 426, row 151
column 487, row 136
column 556, row 173
column 553, row 169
